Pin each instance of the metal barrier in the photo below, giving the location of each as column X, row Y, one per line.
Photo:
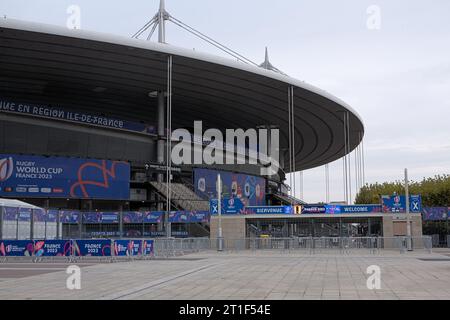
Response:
column 322, row 245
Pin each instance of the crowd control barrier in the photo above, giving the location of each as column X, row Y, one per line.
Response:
column 76, row 249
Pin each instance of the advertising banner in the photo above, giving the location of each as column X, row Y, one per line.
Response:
column 16, row 248
column 435, row 213
column 154, row 216
column 147, row 247
column 332, row 209
column 39, row 215
column 229, row 206
column 397, row 203
column 269, row 210
column 133, row 217
column 123, row 248
column 52, row 215
column 10, row 213
column 313, row 209
column 101, row 217
column 69, row 216
column 251, row 190
column 57, row 177
column 52, row 248
column 58, row 113
column 25, row 214
column 94, row 248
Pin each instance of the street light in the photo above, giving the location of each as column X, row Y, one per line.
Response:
column 408, row 225
column 219, row 212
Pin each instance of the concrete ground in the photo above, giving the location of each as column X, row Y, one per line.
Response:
column 238, row 275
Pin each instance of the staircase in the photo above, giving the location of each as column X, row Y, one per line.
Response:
column 182, row 196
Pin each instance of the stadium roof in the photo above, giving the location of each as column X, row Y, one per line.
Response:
column 108, row 74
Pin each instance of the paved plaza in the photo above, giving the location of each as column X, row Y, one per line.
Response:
column 238, row 275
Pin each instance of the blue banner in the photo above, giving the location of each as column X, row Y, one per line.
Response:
column 16, row 248
column 332, row 209
column 269, row 210
column 10, row 213
column 133, row 217
column 229, row 206
column 147, row 247
column 313, row 209
column 52, row 248
column 123, row 248
column 95, row 248
column 435, row 213
column 58, row 113
column 69, row 216
column 397, row 203
column 33, row 176
column 251, row 190
column 101, row 217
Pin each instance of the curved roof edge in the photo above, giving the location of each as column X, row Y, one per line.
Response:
column 168, row 49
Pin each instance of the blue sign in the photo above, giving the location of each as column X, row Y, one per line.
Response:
column 61, row 114
column 313, row 209
column 332, row 209
column 95, row 248
column 269, row 210
column 101, row 217
column 397, row 203
column 229, row 206
column 16, row 248
column 435, row 213
column 147, row 247
column 56, row 177
column 251, row 190
column 52, row 248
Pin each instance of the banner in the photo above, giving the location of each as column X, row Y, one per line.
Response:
column 52, row 248
column 100, row 217
column 16, row 248
column 147, row 247
column 313, row 209
column 57, row 113
column 251, row 190
column 94, row 248
column 69, row 216
column 332, row 209
column 435, row 213
column 123, row 248
column 10, row 213
column 229, row 206
column 269, row 210
column 397, row 203
column 57, row 177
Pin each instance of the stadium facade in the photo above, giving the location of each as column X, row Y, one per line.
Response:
column 84, row 121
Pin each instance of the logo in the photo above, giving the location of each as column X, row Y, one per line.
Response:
column 6, row 168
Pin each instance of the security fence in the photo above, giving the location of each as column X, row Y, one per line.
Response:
column 316, row 245
column 125, row 249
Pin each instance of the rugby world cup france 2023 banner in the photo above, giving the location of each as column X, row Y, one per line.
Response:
column 397, row 203
column 56, row 177
column 251, row 190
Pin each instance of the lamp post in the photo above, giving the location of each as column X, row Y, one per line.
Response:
column 408, row 219
column 219, row 212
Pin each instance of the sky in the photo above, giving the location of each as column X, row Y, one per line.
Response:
column 389, row 60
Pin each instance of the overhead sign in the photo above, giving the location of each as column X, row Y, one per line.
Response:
column 269, row 210
column 56, row 177
column 332, row 209
column 397, row 203
column 57, row 113
column 313, row 209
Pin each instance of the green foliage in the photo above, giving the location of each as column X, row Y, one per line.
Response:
column 435, row 191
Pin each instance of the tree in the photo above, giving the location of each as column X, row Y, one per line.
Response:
column 435, row 191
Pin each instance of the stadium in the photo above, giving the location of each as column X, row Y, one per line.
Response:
column 85, row 119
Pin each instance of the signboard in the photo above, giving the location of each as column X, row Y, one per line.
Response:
column 397, row 203
column 436, row 213
column 269, row 210
column 101, row 217
column 58, row 113
column 332, row 209
column 313, row 209
column 16, row 248
column 94, row 248
column 229, row 206
column 52, row 248
column 57, row 177
column 251, row 190
column 147, row 247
